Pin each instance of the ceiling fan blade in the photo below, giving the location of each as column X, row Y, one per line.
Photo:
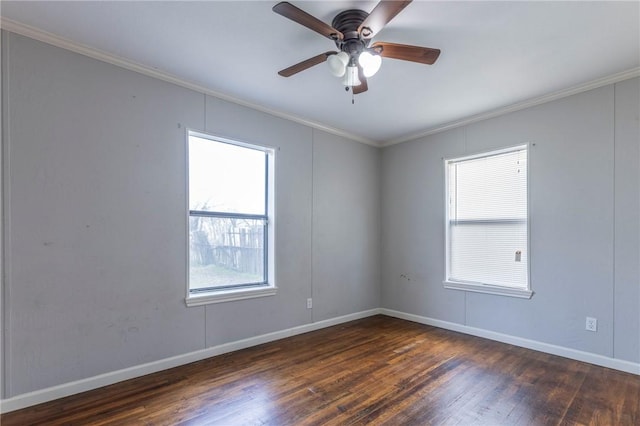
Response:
column 423, row 55
column 303, row 18
column 301, row 66
column 380, row 16
column 363, row 87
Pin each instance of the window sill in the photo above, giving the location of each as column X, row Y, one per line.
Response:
column 229, row 295
column 489, row 289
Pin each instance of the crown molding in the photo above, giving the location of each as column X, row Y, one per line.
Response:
column 594, row 84
column 55, row 40
column 64, row 43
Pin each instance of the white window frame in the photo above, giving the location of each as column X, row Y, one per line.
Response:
column 479, row 287
column 237, row 292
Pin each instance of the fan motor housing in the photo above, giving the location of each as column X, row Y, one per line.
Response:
column 347, row 22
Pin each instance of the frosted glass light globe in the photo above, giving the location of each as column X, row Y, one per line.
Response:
column 370, row 63
column 351, row 77
column 338, row 63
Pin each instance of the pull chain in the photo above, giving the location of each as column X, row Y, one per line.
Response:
column 347, row 88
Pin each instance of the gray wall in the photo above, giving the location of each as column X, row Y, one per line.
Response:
column 2, row 135
column 95, row 220
column 345, row 214
column 626, row 316
column 584, row 209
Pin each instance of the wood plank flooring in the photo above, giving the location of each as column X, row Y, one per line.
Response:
column 378, row 370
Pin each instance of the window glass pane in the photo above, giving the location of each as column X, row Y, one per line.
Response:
column 225, row 251
column 226, row 178
column 487, row 214
column 486, row 253
column 493, row 187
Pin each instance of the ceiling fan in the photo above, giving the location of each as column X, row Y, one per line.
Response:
column 352, row 31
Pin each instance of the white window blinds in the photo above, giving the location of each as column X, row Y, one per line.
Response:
column 487, row 235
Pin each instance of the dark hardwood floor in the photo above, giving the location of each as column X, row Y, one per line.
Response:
column 377, row 370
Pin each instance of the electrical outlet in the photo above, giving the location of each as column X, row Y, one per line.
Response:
column 591, row 324
column 309, row 303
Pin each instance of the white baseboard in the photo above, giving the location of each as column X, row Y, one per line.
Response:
column 66, row 389
column 591, row 358
column 55, row 392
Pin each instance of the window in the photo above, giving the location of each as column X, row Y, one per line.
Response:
column 230, row 220
column 487, row 223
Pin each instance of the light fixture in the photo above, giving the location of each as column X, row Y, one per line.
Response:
column 338, row 63
column 370, row 63
column 346, row 65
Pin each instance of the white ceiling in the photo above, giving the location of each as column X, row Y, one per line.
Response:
column 494, row 54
